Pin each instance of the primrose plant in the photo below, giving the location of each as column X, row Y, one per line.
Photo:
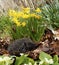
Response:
column 5, row 60
column 44, row 59
column 27, row 23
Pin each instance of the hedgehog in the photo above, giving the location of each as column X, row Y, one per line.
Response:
column 21, row 46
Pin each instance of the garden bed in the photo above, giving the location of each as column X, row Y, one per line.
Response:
column 30, row 37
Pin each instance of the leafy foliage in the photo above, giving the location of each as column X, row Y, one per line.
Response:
column 23, row 59
column 5, row 60
column 44, row 59
column 5, row 26
column 51, row 14
column 27, row 24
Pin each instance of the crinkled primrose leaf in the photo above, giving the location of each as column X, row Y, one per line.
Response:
column 5, row 60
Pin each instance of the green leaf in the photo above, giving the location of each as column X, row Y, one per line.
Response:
column 31, row 60
column 45, row 63
column 44, row 55
column 1, row 62
column 56, row 63
column 55, row 59
column 19, row 60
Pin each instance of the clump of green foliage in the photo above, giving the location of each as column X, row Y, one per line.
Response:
column 5, row 26
column 27, row 23
column 51, row 14
column 44, row 59
column 6, row 60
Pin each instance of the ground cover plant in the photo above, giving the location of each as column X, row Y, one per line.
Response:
column 44, row 59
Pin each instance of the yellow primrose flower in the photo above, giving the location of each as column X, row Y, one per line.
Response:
column 12, row 13
column 38, row 10
column 24, row 24
column 26, row 10
column 25, row 16
column 32, row 15
column 20, row 14
column 37, row 16
column 14, row 19
column 16, row 22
